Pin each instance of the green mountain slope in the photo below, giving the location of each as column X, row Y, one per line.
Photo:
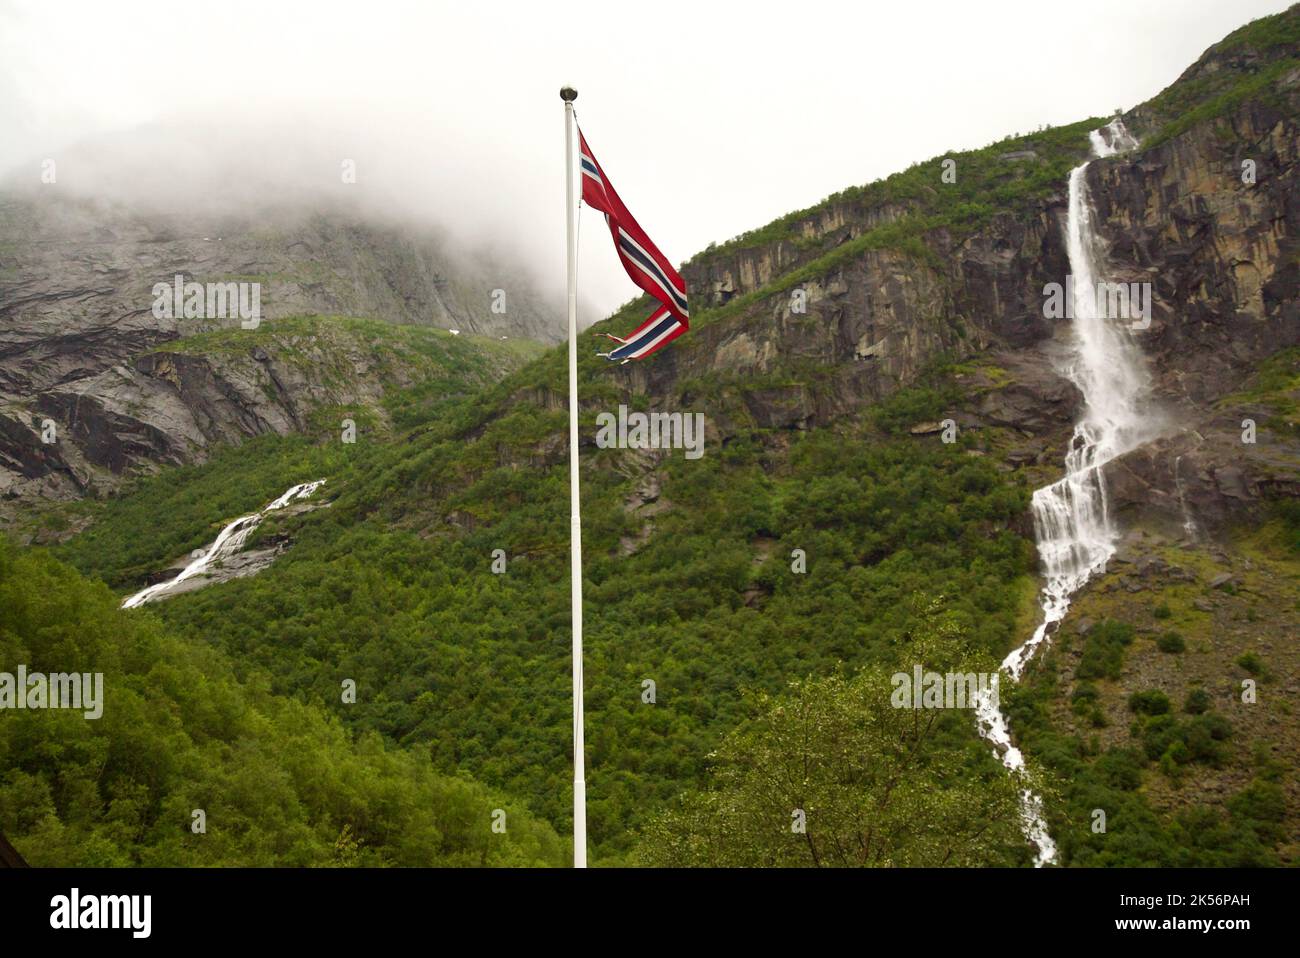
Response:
column 393, row 584
column 278, row 782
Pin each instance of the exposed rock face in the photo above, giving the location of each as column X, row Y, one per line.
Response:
column 169, row 407
column 1221, row 255
column 79, row 337
column 719, row 279
column 1219, row 252
column 868, row 327
column 76, row 279
column 172, row 404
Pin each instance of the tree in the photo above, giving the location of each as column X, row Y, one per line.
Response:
column 870, row 784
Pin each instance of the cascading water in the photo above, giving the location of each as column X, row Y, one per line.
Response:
column 1072, row 523
column 1190, row 528
column 230, row 541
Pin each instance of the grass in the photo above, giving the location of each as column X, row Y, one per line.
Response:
column 1213, row 93
column 985, row 185
column 1255, row 86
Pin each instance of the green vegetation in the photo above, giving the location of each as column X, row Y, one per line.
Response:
column 422, row 369
column 1276, row 384
column 1222, row 94
column 1171, row 642
column 922, row 211
column 1163, row 745
column 984, row 184
column 1280, row 31
column 1103, row 650
column 1092, row 778
column 1150, row 702
column 1198, row 702
column 165, row 516
column 427, row 373
column 1085, row 702
column 391, row 586
column 1269, row 45
column 1253, row 664
column 830, row 774
column 1175, row 742
column 1288, row 511
column 279, row 782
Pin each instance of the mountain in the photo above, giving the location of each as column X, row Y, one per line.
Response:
column 830, row 538
column 188, row 766
column 84, row 350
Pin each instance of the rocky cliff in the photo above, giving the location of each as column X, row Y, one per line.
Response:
column 83, row 355
column 821, row 313
column 1211, row 218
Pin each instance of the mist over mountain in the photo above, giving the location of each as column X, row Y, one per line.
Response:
column 237, row 164
column 235, row 167
column 87, row 243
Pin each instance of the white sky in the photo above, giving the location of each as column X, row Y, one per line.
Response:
column 710, row 118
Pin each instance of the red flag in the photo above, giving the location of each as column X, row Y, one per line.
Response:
column 646, row 266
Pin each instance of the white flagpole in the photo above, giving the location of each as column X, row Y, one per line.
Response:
column 568, row 95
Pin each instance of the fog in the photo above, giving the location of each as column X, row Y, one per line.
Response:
column 710, row 118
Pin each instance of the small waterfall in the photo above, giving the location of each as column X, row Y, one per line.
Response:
column 230, row 541
column 1072, row 522
column 1189, row 522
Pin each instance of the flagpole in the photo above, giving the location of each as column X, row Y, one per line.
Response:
column 568, row 95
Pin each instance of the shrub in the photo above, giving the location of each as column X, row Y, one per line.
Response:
column 1204, row 736
column 1121, row 768
column 1197, row 702
column 1103, row 650
column 1084, row 698
column 1149, row 702
column 1199, row 739
column 1171, row 642
column 1253, row 664
column 1263, row 804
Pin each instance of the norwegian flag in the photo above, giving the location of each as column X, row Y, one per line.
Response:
column 647, row 267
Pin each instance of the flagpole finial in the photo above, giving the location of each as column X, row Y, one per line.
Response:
column 568, row 94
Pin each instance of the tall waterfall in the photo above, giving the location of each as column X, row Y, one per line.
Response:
column 230, row 540
column 1072, row 523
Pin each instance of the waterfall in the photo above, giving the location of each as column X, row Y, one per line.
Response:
column 1072, row 524
column 1190, row 528
column 228, row 542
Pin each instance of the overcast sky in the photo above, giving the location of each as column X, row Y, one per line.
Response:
column 710, row 118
